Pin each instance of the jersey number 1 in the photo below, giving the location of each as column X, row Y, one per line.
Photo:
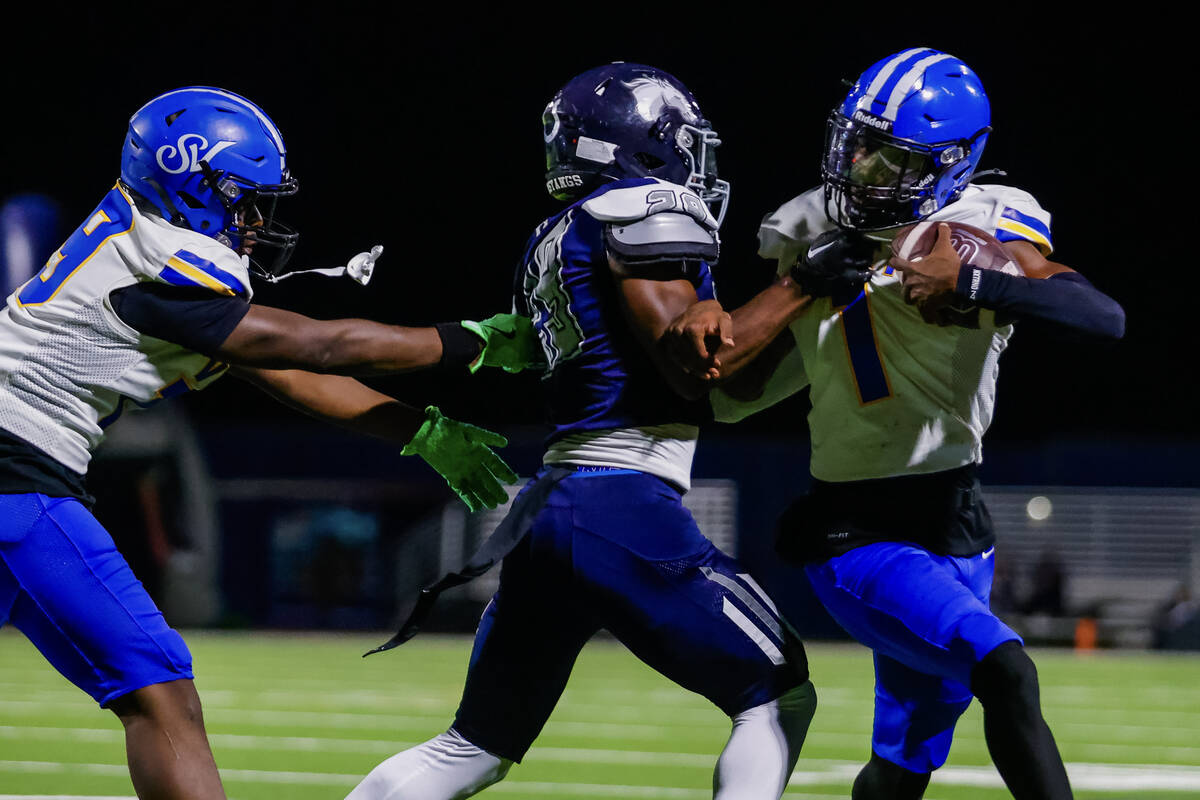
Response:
column 870, row 378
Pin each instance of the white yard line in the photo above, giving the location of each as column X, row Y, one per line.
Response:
column 1145, row 752
column 1088, row 776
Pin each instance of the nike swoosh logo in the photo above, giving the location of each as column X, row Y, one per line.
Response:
column 812, row 251
column 988, row 553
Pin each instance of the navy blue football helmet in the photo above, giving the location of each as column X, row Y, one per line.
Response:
column 629, row 121
column 212, row 161
column 905, row 141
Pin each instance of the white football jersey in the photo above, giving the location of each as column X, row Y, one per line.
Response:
column 68, row 365
column 891, row 394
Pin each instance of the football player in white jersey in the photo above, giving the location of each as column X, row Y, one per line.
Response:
column 150, row 298
column 901, row 358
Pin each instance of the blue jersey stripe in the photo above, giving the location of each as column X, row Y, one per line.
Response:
column 1014, row 226
column 870, row 377
column 1025, row 219
column 225, row 277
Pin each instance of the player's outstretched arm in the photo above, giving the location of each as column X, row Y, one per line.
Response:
column 1048, row 291
column 461, row 453
column 273, row 338
column 714, row 345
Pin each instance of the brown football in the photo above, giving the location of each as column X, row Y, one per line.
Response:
column 975, row 247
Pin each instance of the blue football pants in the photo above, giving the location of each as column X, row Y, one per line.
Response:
column 65, row 586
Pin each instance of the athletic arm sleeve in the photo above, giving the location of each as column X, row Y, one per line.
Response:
column 1066, row 298
column 190, row 317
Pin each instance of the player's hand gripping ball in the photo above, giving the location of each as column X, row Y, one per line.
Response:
column 929, row 256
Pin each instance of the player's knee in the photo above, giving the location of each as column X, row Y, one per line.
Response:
column 469, row 758
column 497, row 772
column 447, row 767
column 174, row 702
column 1006, row 676
column 880, row 779
column 796, row 709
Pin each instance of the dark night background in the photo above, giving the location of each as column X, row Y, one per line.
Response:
column 421, row 132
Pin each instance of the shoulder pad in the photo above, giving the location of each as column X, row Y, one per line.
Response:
column 662, row 237
column 170, row 254
column 631, row 203
column 793, row 225
column 1009, row 213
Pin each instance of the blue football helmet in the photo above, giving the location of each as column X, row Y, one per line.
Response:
column 629, row 121
column 905, row 141
column 212, row 161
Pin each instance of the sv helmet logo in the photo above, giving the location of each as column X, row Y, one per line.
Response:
column 187, row 151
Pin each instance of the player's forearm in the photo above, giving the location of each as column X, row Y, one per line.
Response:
column 362, row 347
column 650, row 306
column 757, row 323
column 339, row 400
column 1065, row 298
column 272, row 338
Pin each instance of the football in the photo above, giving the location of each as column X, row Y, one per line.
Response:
column 975, row 247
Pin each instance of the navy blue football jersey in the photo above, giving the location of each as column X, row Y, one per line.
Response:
column 599, row 377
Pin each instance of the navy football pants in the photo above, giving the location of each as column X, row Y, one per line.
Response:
column 617, row 550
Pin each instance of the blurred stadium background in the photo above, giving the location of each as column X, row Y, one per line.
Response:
column 285, row 549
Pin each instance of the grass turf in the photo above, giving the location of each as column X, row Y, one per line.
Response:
column 303, row 717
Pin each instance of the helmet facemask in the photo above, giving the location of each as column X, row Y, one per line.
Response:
column 698, row 146
column 876, row 181
column 251, row 224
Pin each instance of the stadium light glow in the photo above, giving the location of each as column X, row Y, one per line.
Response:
column 1039, row 508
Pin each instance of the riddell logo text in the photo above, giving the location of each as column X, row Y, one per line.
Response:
column 874, row 122
column 564, row 182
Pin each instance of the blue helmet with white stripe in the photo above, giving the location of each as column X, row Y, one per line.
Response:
column 905, row 141
column 212, row 161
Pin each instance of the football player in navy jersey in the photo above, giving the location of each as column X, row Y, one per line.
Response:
column 901, row 356
column 149, row 298
column 600, row 539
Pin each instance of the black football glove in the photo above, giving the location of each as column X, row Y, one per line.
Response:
column 836, row 264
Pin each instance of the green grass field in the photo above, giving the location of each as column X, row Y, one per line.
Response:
column 303, row 717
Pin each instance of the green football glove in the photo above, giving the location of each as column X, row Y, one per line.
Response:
column 461, row 453
column 509, row 342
